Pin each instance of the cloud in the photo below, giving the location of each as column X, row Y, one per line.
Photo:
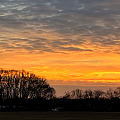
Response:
column 83, row 83
column 39, row 44
column 96, row 20
column 73, row 49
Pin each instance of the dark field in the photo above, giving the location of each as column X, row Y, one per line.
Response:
column 58, row 116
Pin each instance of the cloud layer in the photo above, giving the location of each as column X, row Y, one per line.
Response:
column 49, row 25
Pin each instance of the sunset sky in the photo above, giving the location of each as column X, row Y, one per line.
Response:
column 69, row 42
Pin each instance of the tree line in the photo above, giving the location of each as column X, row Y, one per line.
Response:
column 93, row 94
column 24, row 91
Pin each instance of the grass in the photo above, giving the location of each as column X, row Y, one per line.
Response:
column 58, row 116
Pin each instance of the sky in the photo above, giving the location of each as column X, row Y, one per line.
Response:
column 68, row 42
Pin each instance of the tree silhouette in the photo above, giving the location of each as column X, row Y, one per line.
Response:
column 98, row 94
column 74, row 94
column 92, row 94
column 21, row 84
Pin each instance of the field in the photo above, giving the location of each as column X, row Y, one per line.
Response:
column 58, row 116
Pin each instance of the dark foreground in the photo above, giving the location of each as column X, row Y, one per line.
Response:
column 59, row 116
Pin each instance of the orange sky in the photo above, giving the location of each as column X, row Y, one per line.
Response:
column 69, row 42
column 63, row 67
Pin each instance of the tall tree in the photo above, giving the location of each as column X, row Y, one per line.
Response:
column 22, row 84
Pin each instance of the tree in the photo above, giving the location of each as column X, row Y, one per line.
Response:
column 109, row 93
column 21, row 84
column 98, row 94
column 88, row 94
column 74, row 94
column 117, row 92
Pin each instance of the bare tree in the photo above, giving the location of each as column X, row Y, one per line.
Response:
column 117, row 92
column 109, row 93
column 21, row 84
column 98, row 94
column 74, row 94
column 88, row 94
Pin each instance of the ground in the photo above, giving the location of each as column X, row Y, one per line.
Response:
column 59, row 116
